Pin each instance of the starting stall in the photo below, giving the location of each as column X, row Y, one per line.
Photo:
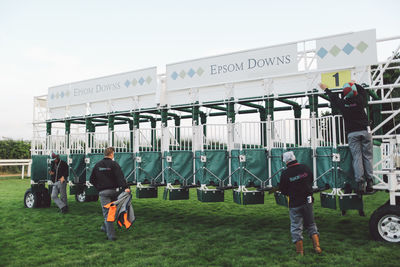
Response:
column 221, row 124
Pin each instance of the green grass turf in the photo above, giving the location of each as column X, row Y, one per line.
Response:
column 182, row 233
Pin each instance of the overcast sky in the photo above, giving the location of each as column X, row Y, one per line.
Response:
column 46, row 43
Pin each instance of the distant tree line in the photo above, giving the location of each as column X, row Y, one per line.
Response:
column 14, row 149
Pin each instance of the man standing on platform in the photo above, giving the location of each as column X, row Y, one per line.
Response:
column 352, row 106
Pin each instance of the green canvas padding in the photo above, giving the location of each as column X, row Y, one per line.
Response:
column 127, row 163
column 256, row 163
column 146, row 192
column 351, row 202
column 328, row 200
column 149, row 167
column 182, row 163
column 248, row 197
column 377, row 154
column 324, row 167
column 217, row 163
column 211, row 195
column 346, row 172
column 77, row 169
column 176, row 194
column 94, row 158
column 303, row 156
column 276, row 164
column 39, row 169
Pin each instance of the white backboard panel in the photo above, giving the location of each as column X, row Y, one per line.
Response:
column 353, row 49
column 235, row 67
column 135, row 83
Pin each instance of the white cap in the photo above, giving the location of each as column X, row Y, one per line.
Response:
column 288, row 157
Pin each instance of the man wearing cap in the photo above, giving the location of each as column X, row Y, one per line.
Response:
column 296, row 183
column 108, row 179
column 352, row 106
column 59, row 175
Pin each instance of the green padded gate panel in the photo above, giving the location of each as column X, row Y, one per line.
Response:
column 210, row 195
column 94, row 158
column 182, row 163
column 147, row 192
column 217, row 163
column 77, row 169
column 127, row 163
column 377, row 154
column 276, row 164
column 303, row 156
column 324, row 167
column 248, row 198
column 281, row 199
column 328, row 200
column 39, row 168
column 176, row 193
column 346, row 172
column 256, row 163
column 149, row 167
column 351, row 202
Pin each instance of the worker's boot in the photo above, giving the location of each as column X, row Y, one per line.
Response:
column 299, row 248
column 315, row 240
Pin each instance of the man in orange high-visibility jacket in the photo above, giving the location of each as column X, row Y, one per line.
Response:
column 108, row 179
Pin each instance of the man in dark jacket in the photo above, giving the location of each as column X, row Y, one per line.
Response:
column 59, row 175
column 352, row 106
column 296, row 182
column 108, row 179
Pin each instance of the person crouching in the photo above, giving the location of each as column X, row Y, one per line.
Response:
column 296, row 183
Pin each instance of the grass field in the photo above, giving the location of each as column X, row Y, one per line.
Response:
column 182, row 233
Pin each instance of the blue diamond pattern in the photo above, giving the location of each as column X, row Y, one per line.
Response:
column 62, row 94
column 322, row 52
column 174, row 75
column 141, row 81
column 348, row 48
column 191, row 72
column 127, row 83
column 52, row 96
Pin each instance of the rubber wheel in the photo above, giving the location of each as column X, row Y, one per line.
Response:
column 384, row 224
column 31, row 200
column 81, row 197
column 45, row 198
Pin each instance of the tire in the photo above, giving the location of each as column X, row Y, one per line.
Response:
column 81, row 197
column 31, row 200
column 45, row 198
column 384, row 224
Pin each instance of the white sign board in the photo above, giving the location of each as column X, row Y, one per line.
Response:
column 353, row 49
column 235, row 67
column 135, row 83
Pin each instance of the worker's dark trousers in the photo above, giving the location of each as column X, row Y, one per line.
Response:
column 107, row 196
column 360, row 144
column 299, row 217
column 59, row 188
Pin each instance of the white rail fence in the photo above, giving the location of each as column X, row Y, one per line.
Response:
column 18, row 162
